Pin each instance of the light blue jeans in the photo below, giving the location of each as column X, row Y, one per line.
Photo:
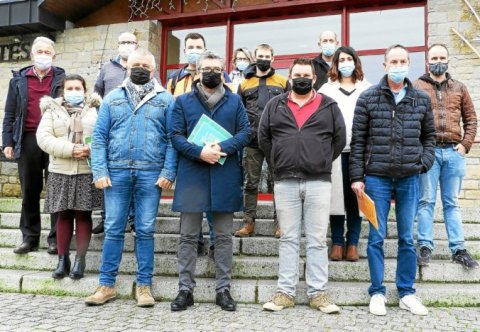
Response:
column 127, row 184
column 308, row 200
column 448, row 170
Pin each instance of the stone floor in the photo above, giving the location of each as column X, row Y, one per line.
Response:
column 26, row 312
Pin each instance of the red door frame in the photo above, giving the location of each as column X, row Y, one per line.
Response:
column 283, row 61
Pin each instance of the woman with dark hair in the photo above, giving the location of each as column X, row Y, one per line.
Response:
column 346, row 83
column 64, row 131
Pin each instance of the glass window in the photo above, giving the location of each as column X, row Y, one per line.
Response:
column 293, row 36
column 215, row 38
column 374, row 70
column 380, row 29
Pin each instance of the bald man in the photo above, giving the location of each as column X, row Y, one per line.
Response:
column 328, row 43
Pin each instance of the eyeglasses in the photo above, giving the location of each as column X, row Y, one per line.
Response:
column 127, row 42
column 207, row 70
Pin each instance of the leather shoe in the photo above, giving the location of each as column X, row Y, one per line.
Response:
column 225, row 301
column 337, row 253
column 99, row 229
column 25, row 248
column 183, row 300
column 52, row 248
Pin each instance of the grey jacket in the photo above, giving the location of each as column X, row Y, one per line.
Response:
column 112, row 74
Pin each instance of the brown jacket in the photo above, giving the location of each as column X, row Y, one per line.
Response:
column 451, row 103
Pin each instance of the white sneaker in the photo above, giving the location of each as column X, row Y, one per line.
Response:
column 377, row 305
column 413, row 304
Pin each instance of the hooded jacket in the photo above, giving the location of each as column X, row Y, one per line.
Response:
column 256, row 92
column 16, row 106
column 452, row 105
column 52, row 134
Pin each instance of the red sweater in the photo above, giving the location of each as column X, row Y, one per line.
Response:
column 303, row 113
column 37, row 88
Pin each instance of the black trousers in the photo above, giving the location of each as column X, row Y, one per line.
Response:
column 32, row 165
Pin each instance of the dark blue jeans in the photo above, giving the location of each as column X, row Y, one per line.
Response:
column 128, row 184
column 406, row 191
column 211, row 232
column 354, row 221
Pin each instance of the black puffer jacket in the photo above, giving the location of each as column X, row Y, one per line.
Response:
column 392, row 140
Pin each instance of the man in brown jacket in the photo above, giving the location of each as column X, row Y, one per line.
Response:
column 452, row 106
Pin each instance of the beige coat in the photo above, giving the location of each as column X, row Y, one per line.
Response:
column 52, row 134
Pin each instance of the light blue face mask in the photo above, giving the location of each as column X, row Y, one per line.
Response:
column 192, row 56
column 74, row 97
column 398, row 74
column 346, row 68
column 328, row 49
column 242, row 65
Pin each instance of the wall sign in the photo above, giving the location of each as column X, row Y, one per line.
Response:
column 15, row 51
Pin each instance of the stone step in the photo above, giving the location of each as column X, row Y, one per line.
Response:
column 245, row 267
column 263, row 227
column 244, row 291
column 264, row 210
column 252, row 246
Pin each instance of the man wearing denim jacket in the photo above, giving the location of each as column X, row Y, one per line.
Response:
column 132, row 158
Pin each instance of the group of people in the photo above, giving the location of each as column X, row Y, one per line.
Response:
column 326, row 134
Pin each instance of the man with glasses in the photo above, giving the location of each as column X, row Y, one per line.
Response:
column 452, row 106
column 112, row 74
column 260, row 85
column 203, row 184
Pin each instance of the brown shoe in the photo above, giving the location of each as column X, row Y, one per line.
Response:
column 278, row 232
column 337, row 253
column 248, row 228
column 352, row 253
column 102, row 295
column 144, row 297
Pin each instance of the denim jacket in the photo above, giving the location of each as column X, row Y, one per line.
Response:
column 134, row 138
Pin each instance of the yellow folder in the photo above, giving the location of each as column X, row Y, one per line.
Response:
column 367, row 206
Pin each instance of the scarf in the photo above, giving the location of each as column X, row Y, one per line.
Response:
column 75, row 130
column 211, row 99
column 136, row 92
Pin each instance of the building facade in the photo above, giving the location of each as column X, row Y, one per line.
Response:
column 291, row 27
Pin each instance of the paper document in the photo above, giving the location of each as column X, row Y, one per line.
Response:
column 367, row 206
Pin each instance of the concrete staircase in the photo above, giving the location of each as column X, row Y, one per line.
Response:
column 255, row 265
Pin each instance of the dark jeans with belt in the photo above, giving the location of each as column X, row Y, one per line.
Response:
column 32, row 165
column 354, row 221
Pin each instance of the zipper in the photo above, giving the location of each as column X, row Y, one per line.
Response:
column 442, row 112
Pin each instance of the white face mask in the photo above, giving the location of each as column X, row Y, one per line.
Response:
column 42, row 61
column 125, row 51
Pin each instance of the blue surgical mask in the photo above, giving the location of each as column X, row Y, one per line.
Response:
column 73, row 97
column 328, row 49
column 346, row 68
column 398, row 74
column 242, row 65
column 192, row 56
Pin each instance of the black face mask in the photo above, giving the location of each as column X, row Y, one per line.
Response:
column 264, row 65
column 211, row 80
column 302, row 85
column 139, row 75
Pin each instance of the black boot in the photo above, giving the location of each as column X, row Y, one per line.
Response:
column 63, row 267
column 183, row 300
column 225, row 301
column 78, row 269
column 99, row 229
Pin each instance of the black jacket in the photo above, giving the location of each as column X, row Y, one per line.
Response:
column 16, row 106
column 256, row 92
column 321, row 71
column 305, row 153
column 392, row 140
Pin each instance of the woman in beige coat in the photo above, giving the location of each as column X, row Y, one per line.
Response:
column 64, row 131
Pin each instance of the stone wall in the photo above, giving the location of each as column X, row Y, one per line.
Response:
column 80, row 51
column 464, row 66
